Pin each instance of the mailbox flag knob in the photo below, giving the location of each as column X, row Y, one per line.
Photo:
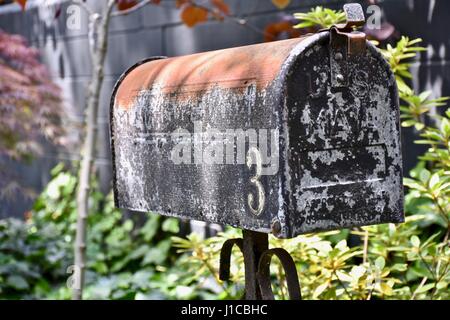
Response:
column 354, row 15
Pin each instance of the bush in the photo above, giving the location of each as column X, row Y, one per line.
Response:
column 406, row 261
column 125, row 260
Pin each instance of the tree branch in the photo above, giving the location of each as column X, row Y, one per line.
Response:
column 100, row 25
column 366, row 245
column 239, row 21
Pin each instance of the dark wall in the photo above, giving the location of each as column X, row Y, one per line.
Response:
column 157, row 30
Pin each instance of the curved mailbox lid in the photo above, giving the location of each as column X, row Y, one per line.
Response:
column 190, row 74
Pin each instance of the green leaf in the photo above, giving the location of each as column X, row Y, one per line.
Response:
column 442, row 285
column 128, row 225
column 401, row 267
column 380, row 263
column 386, row 289
column 434, row 180
column 320, row 289
column 341, row 245
column 419, row 126
column 445, row 126
column 357, row 271
column 184, row 292
column 171, row 225
column 139, row 252
column 158, row 254
column 415, row 241
column 319, row 17
column 17, row 282
column 408, row 123
column 424, row 175
column 343, row 276
column 410, row 183
column 151, row 227
column 425, row 288
column 424, row 95
column 411, row 256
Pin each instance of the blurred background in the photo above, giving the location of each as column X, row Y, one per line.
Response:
column 45, row 67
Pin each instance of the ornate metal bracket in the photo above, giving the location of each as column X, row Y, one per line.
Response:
column 257, row 258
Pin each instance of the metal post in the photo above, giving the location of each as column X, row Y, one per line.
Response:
column 257, row 257
column 254, row 244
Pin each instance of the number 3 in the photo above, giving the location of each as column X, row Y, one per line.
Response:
column 254, row 158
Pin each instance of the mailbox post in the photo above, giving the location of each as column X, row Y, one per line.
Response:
column 288, row 137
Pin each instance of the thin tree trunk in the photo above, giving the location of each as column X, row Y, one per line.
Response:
column 98, row 54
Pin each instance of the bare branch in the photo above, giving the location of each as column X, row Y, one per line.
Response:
column 99, row 24
column 239, row 21
column 366, row 245
column 92, row 29
column 424, row 280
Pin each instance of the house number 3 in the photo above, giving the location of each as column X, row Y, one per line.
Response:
column 254, row 158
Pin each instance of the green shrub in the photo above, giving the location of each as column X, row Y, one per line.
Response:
column 405, row 261
column 125, row 260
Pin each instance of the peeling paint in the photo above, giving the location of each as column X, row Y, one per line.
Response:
column 339, row 148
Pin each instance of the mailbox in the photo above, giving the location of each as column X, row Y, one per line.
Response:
column 287, row 137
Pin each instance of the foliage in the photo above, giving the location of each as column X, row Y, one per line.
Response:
column 396, row 56
column 319, row 17
column 406, row 261
column 30, row 105
column 126, row 260
column 30, row 258
column 29, row 102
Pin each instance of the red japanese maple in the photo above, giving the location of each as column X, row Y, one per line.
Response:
column 30, row 104
column 30, row 108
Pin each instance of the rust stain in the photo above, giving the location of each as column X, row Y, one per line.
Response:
column 225, row 68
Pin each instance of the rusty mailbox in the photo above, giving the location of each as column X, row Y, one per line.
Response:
column 286, row 137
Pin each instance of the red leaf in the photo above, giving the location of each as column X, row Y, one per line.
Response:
column 281, row 4
column 191, row 15
column 155, row 1
column 273, row 30
column 125, row 4
column 22, row 3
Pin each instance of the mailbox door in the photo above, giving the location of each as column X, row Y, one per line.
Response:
column 344, row 155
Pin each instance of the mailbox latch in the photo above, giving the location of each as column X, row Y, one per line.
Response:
column 346, row 42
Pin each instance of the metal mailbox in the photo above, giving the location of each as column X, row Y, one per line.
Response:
column 287, row 137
